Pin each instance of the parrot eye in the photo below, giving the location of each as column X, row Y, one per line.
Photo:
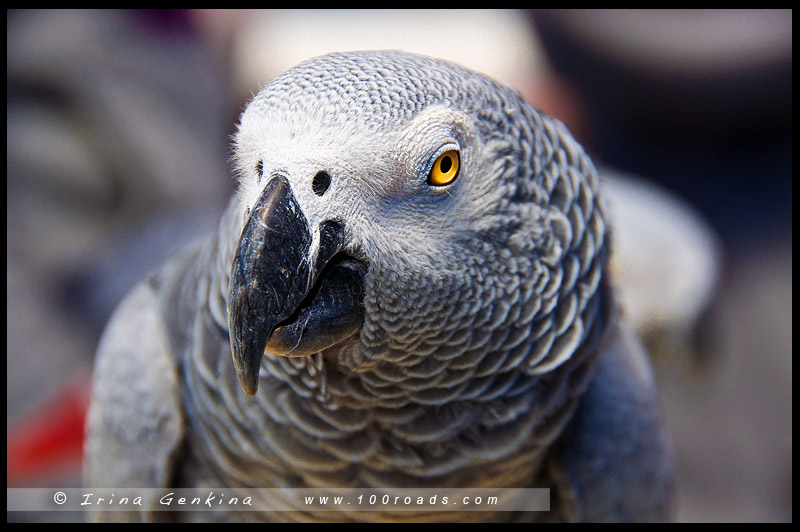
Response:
column 260, row 169
column 445, row 169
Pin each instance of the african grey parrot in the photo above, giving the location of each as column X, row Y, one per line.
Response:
column 409, row 289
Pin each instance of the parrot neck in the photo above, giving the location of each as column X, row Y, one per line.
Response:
column 318, row 422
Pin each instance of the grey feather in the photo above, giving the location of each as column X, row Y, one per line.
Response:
column 487, row 308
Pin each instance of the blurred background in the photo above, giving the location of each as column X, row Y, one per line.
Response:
column 118, row 139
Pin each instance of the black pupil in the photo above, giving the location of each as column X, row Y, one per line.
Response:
column 446, row 164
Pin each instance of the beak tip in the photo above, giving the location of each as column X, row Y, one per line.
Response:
column 248, row 382
column 250, row 389
column 247, row 369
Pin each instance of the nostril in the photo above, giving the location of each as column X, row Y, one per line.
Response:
column 320, row 183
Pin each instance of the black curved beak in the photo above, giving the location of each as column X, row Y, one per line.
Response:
column 280, row 296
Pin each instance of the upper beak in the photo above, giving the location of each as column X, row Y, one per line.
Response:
column 273, row 272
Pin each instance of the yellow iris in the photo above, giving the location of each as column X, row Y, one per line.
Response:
column 445, row 169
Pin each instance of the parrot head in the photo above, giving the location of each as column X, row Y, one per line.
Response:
column 415, row 218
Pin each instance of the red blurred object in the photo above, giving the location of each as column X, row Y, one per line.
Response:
column 49, row 438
